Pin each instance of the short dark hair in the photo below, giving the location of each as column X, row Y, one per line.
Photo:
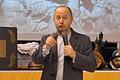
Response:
column 65, row 7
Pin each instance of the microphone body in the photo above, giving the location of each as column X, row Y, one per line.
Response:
column 65, row 39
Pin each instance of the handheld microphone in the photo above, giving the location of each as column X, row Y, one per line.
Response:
column 65, row 39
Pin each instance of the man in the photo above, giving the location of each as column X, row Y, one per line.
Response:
column 65, row 58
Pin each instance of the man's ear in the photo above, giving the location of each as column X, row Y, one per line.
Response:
column 54, row 18
column 72, row 18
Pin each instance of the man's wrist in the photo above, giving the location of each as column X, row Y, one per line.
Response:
column 45, row 51
column 45, row 46
column 73, row 57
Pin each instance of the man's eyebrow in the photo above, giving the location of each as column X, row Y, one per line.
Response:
column 62, row 15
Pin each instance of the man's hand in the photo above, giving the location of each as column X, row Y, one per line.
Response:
column 50, row 42
column 69, row 51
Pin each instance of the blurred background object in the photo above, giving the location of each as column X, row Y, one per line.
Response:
column 8, row 48
column 115, row 58
column 32, row 65
column 99, row 44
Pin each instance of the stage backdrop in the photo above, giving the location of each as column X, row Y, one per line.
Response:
column 33, row 18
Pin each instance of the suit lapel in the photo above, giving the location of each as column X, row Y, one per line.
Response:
column 55, row 52
column 73, row 39
column 73, row 42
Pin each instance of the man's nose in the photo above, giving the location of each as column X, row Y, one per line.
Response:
column 61, row 21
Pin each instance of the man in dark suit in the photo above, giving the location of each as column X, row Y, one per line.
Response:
column 65, row 54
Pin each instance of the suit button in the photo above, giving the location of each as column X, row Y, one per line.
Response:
column 52, row 74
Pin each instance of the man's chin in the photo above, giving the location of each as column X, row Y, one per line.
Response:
column 62, row 32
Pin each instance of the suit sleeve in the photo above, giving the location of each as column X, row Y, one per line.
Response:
column 37, row 56
column 86, row 60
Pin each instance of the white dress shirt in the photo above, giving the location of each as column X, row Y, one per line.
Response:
column 60, row 64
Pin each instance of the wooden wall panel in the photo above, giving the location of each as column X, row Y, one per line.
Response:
column 36, row 75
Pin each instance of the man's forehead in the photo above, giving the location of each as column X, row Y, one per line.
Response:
column 61, row 14
column 62, row 11
column 62, row 8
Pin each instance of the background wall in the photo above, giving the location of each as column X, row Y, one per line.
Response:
column 33, row 18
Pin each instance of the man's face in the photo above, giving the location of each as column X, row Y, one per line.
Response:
column 62, row 19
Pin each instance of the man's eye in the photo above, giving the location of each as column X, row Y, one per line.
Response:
column 64, row 17
column 57, row 18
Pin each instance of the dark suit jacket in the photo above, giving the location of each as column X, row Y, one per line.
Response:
column 85, row 59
